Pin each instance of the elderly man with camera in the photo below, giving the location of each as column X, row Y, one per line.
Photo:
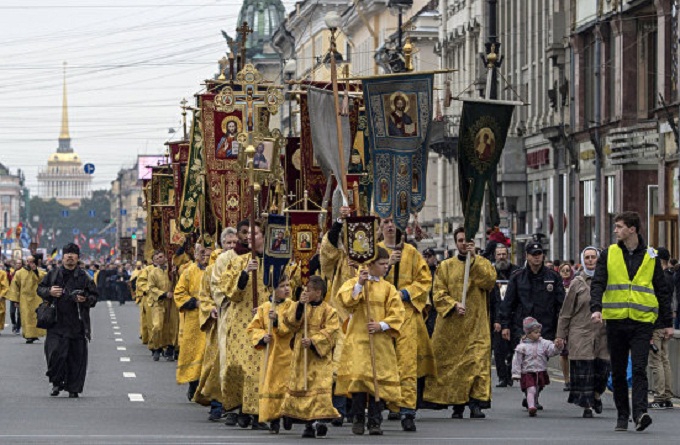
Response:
column 73, row 293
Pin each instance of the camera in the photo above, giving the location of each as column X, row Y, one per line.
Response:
column 76, row 293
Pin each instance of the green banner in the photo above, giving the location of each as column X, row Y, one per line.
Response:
column 193, row 192
column 483, row 129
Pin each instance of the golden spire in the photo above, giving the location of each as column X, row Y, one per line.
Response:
column 64, row 112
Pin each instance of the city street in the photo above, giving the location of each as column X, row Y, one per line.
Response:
column 130, row 399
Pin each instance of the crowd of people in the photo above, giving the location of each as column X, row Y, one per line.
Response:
column 395, row 335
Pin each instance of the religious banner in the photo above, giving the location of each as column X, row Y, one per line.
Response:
column 361, row 238
column 399, row 114
column 304, row 236
column 483, row 129
column 179, row 157
column 192, row 190
column 277, row 249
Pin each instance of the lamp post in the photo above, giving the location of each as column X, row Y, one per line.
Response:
column 289, row 71
column 398, row 7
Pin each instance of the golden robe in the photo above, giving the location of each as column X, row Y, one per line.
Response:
column 142, row 300
column 414, row 348
column 209, row 386
column 274, row 384
column 4, row 288
column 191, row 338
column 242, row 374
column 355, row 373
column 23, row 290
column 462, row 344
column 164, row 314
column 222, row 304
column 323, row 327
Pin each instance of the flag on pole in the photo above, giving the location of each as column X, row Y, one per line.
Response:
column 483, row 130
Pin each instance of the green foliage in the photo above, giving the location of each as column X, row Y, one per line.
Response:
column 50, row 214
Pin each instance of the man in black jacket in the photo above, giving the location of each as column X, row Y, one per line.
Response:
column 74, row 293
column 534, row 291
column 630, row 333
column 501, row 346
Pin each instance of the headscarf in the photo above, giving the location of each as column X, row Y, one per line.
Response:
column 590, row 273
column 566, row 282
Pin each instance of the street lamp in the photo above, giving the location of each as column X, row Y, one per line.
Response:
column 398, row 7
column 289, row 71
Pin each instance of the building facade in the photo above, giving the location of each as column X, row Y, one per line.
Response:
column 10, row 198
column 127, row 210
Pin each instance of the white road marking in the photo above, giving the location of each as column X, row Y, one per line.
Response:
column 121, row 348
column 114, row 322
column 125, row 359
column 130, row 375
column 119, row 339
column 116, row 328
column 135, row 397
column 108, row 303
column 116, row 333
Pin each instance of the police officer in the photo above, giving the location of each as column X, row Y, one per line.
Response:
column 629, row 291
column 501, row 346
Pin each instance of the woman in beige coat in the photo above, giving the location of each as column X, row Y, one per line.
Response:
column 588, row 356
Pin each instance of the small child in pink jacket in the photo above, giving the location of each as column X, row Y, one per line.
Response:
column 530, row 363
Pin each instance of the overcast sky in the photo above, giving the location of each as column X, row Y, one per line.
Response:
column 130, row 62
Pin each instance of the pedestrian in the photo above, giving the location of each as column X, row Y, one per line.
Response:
column 4, row 288
column 164, row 314
column 23, row 290
column 74, row 293
column 462, row 335
column 502, row 351
column 268, row 331
column 311, row 401
column 629, row 292
column 414, row 347
column 356, row 365
column 588, row 355
column 530, row 364
column 567, row 273
column 662, row 376
column 14, row 310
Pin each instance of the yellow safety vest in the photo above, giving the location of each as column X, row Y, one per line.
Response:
column 630, row 299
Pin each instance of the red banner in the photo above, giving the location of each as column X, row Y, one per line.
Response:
column 304, row 237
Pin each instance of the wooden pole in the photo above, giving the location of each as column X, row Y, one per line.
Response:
column 305, row 349
column 371, row 345
column 466, row 278
column 270, row 328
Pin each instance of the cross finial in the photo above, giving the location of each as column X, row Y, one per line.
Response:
column 243, row 31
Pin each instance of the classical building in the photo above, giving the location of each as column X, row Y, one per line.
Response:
column 64, row 178
column 10, row 199
column 126, row 203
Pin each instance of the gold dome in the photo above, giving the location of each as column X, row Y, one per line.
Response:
column 64, row 158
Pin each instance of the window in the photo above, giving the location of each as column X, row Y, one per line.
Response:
column 5, row 219
column 589, row 82
column 589, row 198
column 611, row 194
column 647, row 58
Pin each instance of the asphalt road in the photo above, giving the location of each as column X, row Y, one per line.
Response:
column 148, row 407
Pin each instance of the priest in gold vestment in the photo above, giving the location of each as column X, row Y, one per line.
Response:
column 414, row 348
column 315, row 401
column 4, row 288
column 191, row 338
column 164, row 315
column 242, row 372
column 23, row 290
column 462, row 338
column 274, row 382
column 355, row 375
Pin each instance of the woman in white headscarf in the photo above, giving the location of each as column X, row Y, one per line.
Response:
column 588, row 355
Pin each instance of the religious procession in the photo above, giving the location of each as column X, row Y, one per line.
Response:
column 285, row 276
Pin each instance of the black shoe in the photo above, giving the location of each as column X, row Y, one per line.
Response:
column 243, row 420
column 170, row 353
column 656, row 405
column 215, row 416
column 510, row 382
column 56, row 390
column 156, row 354
column 337, row 422
column 525, row 404
column 374, row 429
column 669, row 404
column 587, row 413
column 408, row 423
column 502, row 384
column 621, row 425
column 456, row 415
column 73, row 395
column 567, row 387
column 643, row 422
column 597, row 406
column 309, row 432
column 274, row 427
column 230, row 419
column 259, row 426
column 539, row 406
column 476, row 412
column 321, row 429
column 287, row 423
column 393, row 416
column 358, row 425
column 30, row 340
column 458, row 412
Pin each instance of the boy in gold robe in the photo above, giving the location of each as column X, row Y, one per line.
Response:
column 462, row 337
column 275, row 382
column 355, row 375
column 191, row 338
column 315, row 401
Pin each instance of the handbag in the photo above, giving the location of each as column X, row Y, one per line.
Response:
column 47, row 315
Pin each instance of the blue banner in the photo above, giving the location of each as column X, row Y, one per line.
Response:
column 399, row 115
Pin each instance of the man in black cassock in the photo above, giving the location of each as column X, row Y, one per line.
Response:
column 74, row 293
